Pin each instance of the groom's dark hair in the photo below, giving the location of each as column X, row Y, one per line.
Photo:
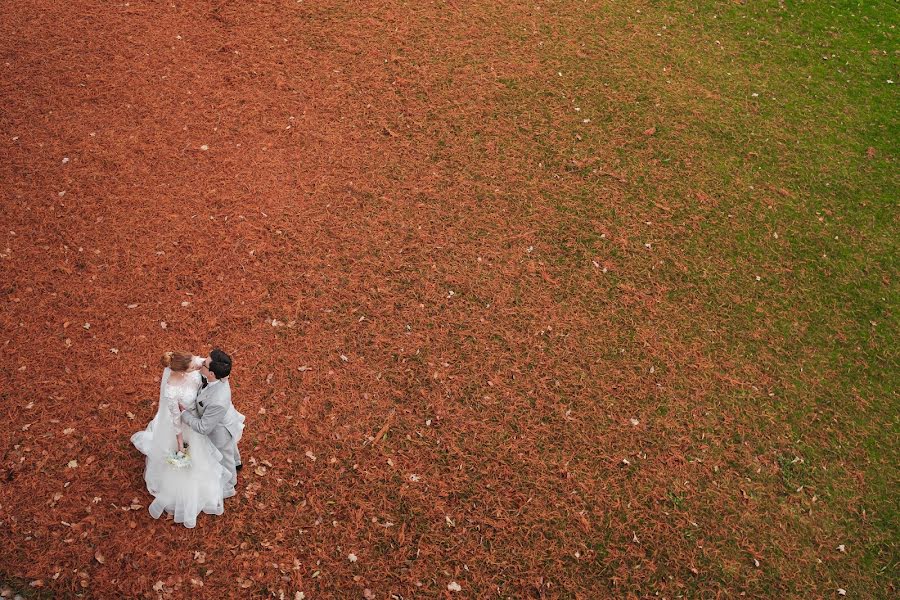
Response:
column 219, row 363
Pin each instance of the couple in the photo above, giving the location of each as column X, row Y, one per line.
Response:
column 191, row 443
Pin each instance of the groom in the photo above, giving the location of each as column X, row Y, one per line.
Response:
column 212, row 406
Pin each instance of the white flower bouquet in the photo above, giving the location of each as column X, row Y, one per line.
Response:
column 179, row 460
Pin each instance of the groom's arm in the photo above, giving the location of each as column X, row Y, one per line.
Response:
column 211, row 419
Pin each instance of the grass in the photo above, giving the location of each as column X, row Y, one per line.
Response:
column 669, row 363
column 775, row 151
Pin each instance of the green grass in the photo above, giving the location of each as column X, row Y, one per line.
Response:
column 767, row 111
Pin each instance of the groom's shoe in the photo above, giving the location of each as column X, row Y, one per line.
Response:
column 238, row 466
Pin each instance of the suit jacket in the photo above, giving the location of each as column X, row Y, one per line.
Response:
column 212, row 416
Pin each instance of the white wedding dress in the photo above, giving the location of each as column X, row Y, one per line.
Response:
column 184, row 492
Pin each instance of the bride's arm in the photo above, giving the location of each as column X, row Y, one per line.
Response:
column 196, row 363
column 173, row 410
column 175, row 414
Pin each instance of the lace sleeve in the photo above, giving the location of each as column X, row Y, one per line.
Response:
column 174, row 411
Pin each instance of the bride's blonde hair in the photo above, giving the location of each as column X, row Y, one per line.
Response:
column 177, row 361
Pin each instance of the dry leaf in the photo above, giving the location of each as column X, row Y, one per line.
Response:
column 586, row 162
column 99, row 557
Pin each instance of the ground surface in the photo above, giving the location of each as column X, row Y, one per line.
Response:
column 618, row 278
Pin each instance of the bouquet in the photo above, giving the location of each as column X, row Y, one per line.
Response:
column 179, row 460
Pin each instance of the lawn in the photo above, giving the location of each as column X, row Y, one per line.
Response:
column 556, row 300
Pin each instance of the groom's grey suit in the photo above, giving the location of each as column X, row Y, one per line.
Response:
column 210, row 420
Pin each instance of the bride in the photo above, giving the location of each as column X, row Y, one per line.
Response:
column 183, row 470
